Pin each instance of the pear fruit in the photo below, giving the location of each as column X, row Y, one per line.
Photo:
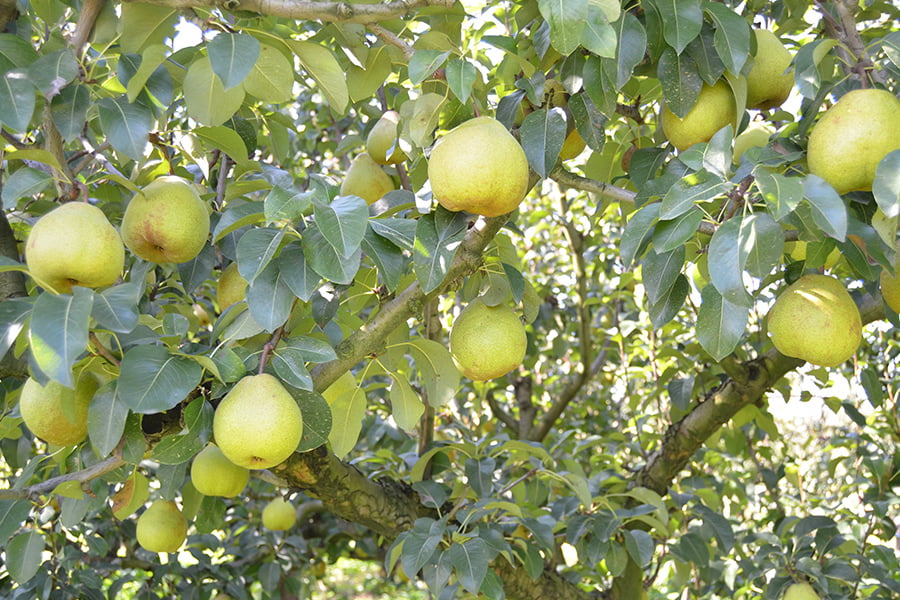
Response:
column 366, row 179
column 381, row 142
column 258, row 424
column 890, row 284
column 74, row 244
column 573, row 145
column 55, row 413
column 487, row 341
column 479, row 167
column 816, row 320
column 755, row 136
column 279, row 515
column 214, row 475
column 770, row 80
column 800, row 591
column 231, row 287
column 852, row 137
column 166, row 222
column 162, row 527
column 714, row 109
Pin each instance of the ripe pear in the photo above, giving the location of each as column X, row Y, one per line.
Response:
column 74, row 244
column 487, row 341
column 816, row 320
column 258, row 424
column 852, row 137
column 55, row 413
column 166, row 222
column 890, row 284
column 231, row 287
column 214, row 475
column 572, row 146
column 715, row 108
column 755, row 136
column 366, row 179
column 800, row 591
column 279, row 515
column 770, row 80
column 479, row 167
column 162, row 527
column 381, row 143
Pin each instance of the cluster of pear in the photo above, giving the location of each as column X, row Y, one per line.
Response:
column 365, row 177
column 75, row 244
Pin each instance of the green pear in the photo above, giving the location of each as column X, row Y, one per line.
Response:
column 231, row 287
column 382, row 141
column 770, row 80
column 852, row 137
column 366, row 179
column 755, row 136
column 714, row 109
column 800, row 591
column 258, row 424
column 166, row 222
column 55, row 413
column 487, row 341
column 816, row 320
column 162, row 527
column 279, row 515
column 74, row 244
column 214, row 475
column 479, row 167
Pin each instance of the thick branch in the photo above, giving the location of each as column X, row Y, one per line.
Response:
column 605, row 190
column 345, row 12
column 90, row 10
column 83, row 476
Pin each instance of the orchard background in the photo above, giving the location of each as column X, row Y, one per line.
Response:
column 642, row 447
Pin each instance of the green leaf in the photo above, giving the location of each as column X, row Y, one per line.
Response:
column 225, row 139
column 470, row 561
column 811, row 523
column 283, row 204
column 660, row 272
column 324, row 68
column 256, row 249
column 720, row 323
column 12, row 514
column 689, row 191
column 14, row 312
column 58, row 332
column 52, row 72
column 424, row 63
column 115, row 308
column 782, row 194
column 23, row 183
column 290, row 366
column 272, row 77
column 732, row 35
column 106, row 419
column 828, row 209
column 232, row 56
column 198, row 422
column 543, row 133
column 343, row 223
column 438, row 236
column 672, row 233
column 297, row 272
column 436, row 369
column 144, row 24
column 16, row 100
column 148, row 68
column 153, row 380
column 270, row 298
column 322, row 258
column 727, row 257
column 125, row 125
column 639, row 545
column 720, row 526
column 664, row 310
column 401, row 232
column 15, row 52
column 638, row 232
column 419, row 117
column 682, row 21
column 68, row 109
column 461, row 77
column 886, row 186
column 24, row 555
column 702, row 49
column 241, row 215
column 630, row 51
column 316, row 420
column 590, row 122
column 692, row 548
column 599, row 36
column 810, row 67
column 567, row 19
column 205, row 97
column 362, row 83
column 406, row 406
column 763, row 240
column 388, row 258
column 680, row 80
column 347, row 412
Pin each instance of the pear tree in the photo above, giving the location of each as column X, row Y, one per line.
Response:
column 449, row 299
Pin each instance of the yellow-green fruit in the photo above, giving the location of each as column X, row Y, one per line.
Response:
column 74, row 244
column 162, row 527
column 166, row 222
column 381, row 143
column 366, row 179
column 55, row 413
column 258, row 424
column 800, row 591
column 479, row 167
column 890, row 284
column 214, row 475
column 769, row 81
column 715, row 108
column 816, row 320
column 279, row 515
column 755, row 136
column 797, row 251
column 852, row 137
column 487, row 341
column 231, row 287
column 572, row 146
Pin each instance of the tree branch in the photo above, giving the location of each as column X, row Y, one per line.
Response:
column 83, row 476
column 87, row 18
column 345, row 12
column 604, row 190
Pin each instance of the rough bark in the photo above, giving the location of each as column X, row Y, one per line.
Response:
column 345, row 12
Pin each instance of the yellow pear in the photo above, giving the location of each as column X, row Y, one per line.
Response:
column 573, row 145
column 816, row 320
column 366, row 179
column 755, row 136
column 258, row 424
column 55, row 413
column 800, row 591
column 74, row 244
column 852, row 137
column 479, row 167
column 890, row 284
column 162, row 527
column 166, row 222
column 279, row 515
column 382, row 141
column 770, row 80
column 487, row 341
column 214, row 475
column 231, row 287
column 715, row 108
